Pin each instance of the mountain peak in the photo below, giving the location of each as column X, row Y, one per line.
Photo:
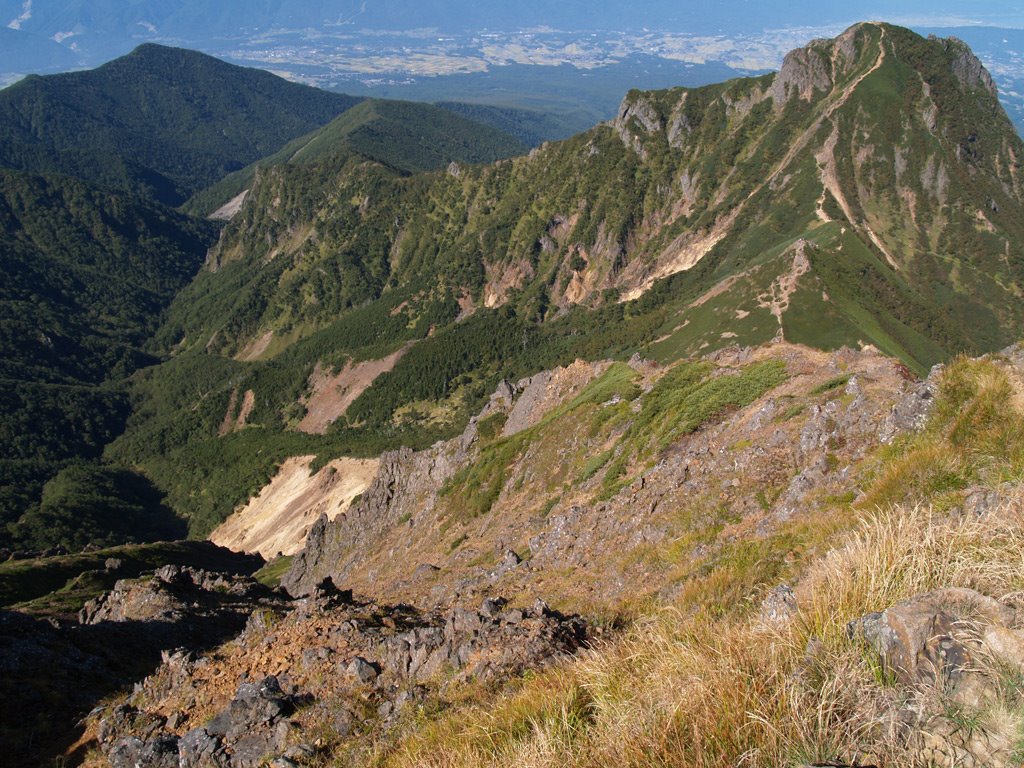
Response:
column 152, row 53
column 161, row 121
column 825, row 63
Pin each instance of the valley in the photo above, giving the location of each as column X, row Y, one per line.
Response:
column 690, row 439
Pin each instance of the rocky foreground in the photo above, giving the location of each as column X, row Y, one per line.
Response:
column 326, row 667
column 784, row 485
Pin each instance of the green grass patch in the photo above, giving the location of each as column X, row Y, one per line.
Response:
column 689, row 396
column 474, row 489
column 975, row 434
column 83, row 576
column 831, row 384
column 489, row 429
column 270, row 575
column 595, row 464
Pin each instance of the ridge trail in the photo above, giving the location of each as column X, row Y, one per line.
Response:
column 805, row 138
column 826, row 158
column 829, row 178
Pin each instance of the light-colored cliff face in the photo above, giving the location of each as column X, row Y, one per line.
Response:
column 279, row 518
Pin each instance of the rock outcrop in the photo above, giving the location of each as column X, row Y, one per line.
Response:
column 944, row 646
column 54, row 671
column 967, row 67
column 178, row 595
column 334, row 665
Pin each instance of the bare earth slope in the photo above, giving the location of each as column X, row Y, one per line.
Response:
column 278, row 519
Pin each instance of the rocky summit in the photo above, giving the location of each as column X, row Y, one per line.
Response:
column 695, row 439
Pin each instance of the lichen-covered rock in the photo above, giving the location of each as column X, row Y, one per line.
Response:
column 967, row 67
column 925, row 640
column 158, row 752
column 910, row 412
column 779, row 606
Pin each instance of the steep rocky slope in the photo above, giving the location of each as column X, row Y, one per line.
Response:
column 806, row 557
column 369, row 666
column 56, row 666
column 607, row 483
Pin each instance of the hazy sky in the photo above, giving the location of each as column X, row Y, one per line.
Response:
column 51, row 35
column 49, row 17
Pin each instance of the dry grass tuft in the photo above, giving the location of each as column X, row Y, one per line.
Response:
column 901, row 552
column 699, row 691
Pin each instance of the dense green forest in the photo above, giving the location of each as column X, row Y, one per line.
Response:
column 531, row 127
column 401, row 135
column 161, row 122
column 86, row 277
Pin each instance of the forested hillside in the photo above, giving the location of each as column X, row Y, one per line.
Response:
column 86, row 277
column 160, row 122
column 866, row 194
column 403, row 136
column 670, row 384
column 92, row 257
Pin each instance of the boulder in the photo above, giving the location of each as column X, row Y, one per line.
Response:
column 255, row 705
column 199, row 749
column 362, row 670
column 779, row 606
column 131, row 752
column 932, row 639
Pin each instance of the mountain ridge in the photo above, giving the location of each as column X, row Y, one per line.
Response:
column 865, row 195
column 664, row 135
column 92, row 256
column 668, row 373
column 407, row 137
column 756, row 209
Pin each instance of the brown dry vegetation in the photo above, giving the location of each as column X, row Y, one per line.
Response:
column 689, row 687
